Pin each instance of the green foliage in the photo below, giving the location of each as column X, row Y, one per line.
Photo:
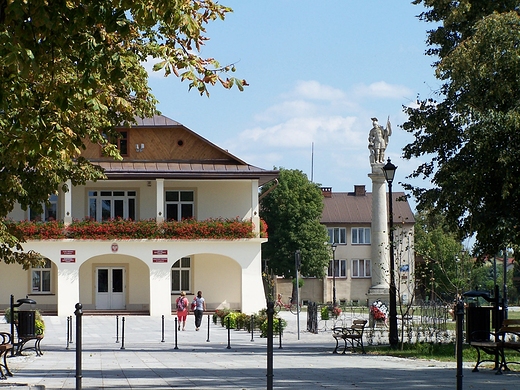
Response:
column 444, row 269
column 325, row 313
column 73, row 70
column 220, row 314
column 277, row 323
column 469, row 133
column 292, row 212
column 39, row 324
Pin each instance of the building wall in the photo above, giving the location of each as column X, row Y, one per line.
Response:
column 227, row 271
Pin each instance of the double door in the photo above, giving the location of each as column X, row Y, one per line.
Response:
column 110, row 288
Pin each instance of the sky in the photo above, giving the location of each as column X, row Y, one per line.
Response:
column 318, row 71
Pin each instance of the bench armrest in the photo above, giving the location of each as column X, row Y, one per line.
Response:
column 5, row 338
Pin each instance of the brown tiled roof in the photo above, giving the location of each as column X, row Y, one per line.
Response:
column 184, row 170
column 202, row 160
column 347, row 208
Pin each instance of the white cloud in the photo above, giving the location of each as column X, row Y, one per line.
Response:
column 313, row 90
column 300, row 132
column 287, row 109
column 382, row 89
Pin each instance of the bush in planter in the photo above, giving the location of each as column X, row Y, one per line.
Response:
column 243, row 320
column 39, row 324
column 231, row 320
column 220, row 314
column 324, row 312
column 276, row 327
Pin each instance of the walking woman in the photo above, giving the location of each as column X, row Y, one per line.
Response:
column 198, row 305
column 182, row 310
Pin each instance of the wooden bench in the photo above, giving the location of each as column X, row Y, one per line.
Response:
column 5, row 346
column 352, row 336
column 23, row 342
column 507, row 338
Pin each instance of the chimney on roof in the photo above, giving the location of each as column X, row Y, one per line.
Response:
column 359, row 190
column 326, row 192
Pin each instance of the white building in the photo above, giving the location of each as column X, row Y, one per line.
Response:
column 168, row 172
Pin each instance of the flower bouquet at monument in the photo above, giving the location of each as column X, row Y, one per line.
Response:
column 379, row 311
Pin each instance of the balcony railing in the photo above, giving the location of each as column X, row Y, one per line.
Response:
column 189, row 229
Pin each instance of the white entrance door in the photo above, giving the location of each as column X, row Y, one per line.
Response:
column 110, row 288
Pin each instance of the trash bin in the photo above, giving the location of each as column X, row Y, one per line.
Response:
column 26, row 323
column 478, row 323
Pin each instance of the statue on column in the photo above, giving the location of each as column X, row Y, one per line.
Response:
column 378, row 140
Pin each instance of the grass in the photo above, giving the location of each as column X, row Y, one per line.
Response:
column 440, row 352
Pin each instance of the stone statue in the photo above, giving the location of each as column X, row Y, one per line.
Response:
column 378, row 140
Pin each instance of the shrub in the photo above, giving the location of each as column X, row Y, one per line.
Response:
column 276, row 327
column 324, row 311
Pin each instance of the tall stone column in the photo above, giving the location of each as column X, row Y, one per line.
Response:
column 377, row 142
column 379, row 230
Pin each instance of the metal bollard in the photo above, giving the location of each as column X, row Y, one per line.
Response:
column 208, row 330
column 117, row 328
column 270, row 313
column 252, row 326
column 162, row 328
column 70, row 329
column 176, row 347
column 459, row 330
column 79, row 373
column 123, row 333
column 228, row 333
column 68, row 332
column 280, row 332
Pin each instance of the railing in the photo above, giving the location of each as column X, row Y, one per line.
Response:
column 189, row 229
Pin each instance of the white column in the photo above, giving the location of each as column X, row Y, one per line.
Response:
column 379, row 245
column 253, row 297
column 159, row 188
column 68, row 289
column 67, row 218
column 160, row 290
column 255, row 217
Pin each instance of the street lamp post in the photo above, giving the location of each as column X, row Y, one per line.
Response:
column 389, row 171
column 334, row 275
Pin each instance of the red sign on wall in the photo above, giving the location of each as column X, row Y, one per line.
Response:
column 68, row 259
column 160, row 252
column 68, row 252
column 160, row 259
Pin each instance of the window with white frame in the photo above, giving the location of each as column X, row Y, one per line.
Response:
column 361, row 268
column 41, row 278
column 181, row 275
column 360, row 235
column 104, row 205
column 340, row 271
column 179, row 205
column 49, row 211
column 337, row 235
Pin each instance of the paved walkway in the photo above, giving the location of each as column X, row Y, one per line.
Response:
column 148, row 363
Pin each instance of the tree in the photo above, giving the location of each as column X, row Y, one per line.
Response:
column 443, row 269
column 292, row 212
column 71, row 71
column 470, row 134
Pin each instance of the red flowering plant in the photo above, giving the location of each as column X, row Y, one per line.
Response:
column 219, row 228
column 37, row 230
column 336, row 311
column 263, row 229
column 379, row 310
column 113, row 229
column 124, row 229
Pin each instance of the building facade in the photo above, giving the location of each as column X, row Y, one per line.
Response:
column 348, row 217
column 168, row 173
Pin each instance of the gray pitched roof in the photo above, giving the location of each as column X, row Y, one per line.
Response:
column 349, row 208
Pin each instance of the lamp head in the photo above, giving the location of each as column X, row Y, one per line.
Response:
column 389, row 171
